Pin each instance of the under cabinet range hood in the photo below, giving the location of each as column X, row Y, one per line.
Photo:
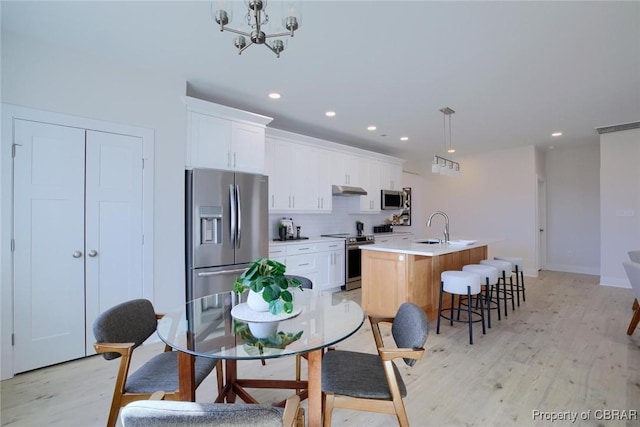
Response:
column 346, row 190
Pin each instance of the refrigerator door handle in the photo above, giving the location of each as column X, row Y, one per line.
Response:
column 239, row 220
column 219, row 273
column 234, row 216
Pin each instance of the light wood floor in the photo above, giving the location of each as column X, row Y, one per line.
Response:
column 565, row 349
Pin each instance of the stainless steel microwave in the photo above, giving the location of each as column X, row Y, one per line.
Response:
column 391, row 199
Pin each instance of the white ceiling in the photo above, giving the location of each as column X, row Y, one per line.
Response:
column 514, row 71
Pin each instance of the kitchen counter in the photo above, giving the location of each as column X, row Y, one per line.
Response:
column 407, row 271
column 311, row 239
column 413, row 248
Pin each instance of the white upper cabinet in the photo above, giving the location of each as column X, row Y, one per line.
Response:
column 345, row 169
column 224, row 138
column 369, row 179
column 390, row 176
column 302, row 170
column 298, row 177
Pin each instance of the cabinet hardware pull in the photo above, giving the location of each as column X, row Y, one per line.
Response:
column 77, row 254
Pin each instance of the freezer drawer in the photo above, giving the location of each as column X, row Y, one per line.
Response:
column 207, row 281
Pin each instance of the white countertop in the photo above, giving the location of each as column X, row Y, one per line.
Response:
column 311, row 239
column 411, row 247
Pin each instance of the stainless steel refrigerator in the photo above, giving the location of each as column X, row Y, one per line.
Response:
column 226, row 217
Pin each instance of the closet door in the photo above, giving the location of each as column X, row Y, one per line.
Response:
column 49, row 322
column 113, row 223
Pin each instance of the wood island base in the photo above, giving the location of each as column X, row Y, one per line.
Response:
column 391, row 278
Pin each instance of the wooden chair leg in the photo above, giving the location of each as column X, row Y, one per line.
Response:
column 328, row 409
column 634, row 322
column 635, row 304
column 298, row 370
column 220, row 376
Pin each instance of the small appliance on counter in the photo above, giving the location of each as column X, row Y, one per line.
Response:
column 286, row 231
column 359, row 228
column 386, row 228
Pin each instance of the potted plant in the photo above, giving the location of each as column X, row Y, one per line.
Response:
column 265, row 278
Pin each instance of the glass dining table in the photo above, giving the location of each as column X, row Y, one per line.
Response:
column 211, row 327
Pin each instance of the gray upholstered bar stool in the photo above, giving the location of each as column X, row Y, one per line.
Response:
column 491, row 282
column 504, row 270
column 462, row 284
column 517, row 265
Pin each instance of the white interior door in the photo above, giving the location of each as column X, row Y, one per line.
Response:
column 113, row 223
column 542, row 225
column 49, row 322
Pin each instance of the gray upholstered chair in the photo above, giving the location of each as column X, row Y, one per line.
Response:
column 121, row 329
column 372, row 382
column 159, row 413
column 633, row 272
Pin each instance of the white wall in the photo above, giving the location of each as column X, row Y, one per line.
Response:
column 573, row 209
column 493, row 199
column 63, row 81
column 619, row 203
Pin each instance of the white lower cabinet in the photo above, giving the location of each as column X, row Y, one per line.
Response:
column 321, row 262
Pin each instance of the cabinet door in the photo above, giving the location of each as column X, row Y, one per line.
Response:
column 369, row 179
column 322, row 193
column 49, row 323
column 278, row 160
column 337, row 276
column 247, row 148
column 344, row 169
column 390, row 176
column 208, row 141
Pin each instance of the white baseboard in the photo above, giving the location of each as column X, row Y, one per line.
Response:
column 616, row 282
column 565, row 268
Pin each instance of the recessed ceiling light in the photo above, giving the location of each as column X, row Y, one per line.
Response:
column 556, row 134
column 404, row 138
column 330, row 113
column 371, row 128
column 274, row 95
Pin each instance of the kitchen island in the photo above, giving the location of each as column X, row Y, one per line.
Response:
column 409, row 271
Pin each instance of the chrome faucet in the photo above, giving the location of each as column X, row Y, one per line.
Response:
column 446, row 225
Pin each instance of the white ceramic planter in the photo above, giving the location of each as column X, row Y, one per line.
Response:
column 262, row 330
column 256, row 302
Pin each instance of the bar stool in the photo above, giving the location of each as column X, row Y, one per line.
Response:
column 492, row 281
column 461, row 283
column 517, row 264
column 504, row 268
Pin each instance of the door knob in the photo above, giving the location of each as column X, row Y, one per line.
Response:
column 77, row 254
column 92, row 253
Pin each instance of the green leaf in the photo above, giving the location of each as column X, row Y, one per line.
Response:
column 275, row 307
column 288, row 307
column 286, row 296
column 271, row 293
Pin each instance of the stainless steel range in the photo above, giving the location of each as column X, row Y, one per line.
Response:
column 353, row 259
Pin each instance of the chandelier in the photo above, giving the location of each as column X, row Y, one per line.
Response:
column 257, row 18
column 441, row 164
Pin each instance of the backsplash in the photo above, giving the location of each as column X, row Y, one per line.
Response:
column 338, row 221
